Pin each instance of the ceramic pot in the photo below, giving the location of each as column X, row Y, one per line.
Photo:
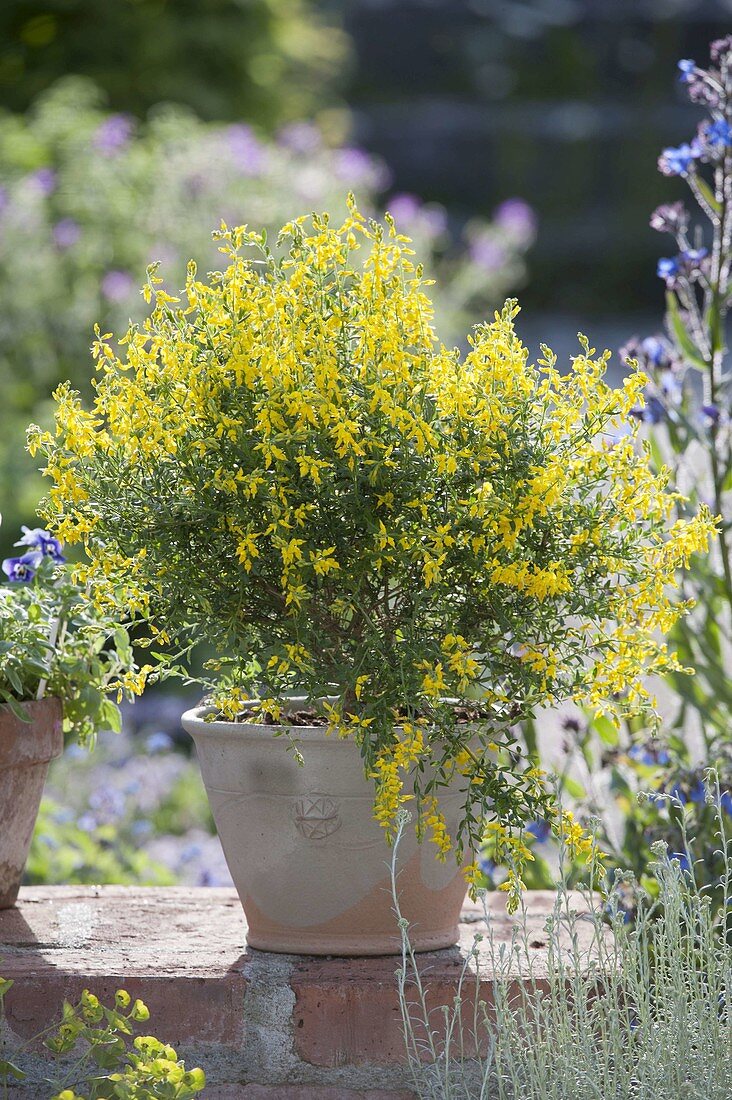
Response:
column 26, row 749
column 310, row 863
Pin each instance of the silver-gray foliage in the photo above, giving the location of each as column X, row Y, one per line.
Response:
column 639, row 1009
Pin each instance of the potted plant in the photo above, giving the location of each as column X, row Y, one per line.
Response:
column 60, row 658
column 394, row 551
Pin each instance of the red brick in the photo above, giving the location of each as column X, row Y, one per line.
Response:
column 183, row 952
column 180, row 950
column 347, row 1010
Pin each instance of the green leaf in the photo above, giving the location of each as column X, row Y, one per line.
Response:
column 15, row 681
column 572, row 787
column 708, row 194
column 8, row 1069
column 110, row 717
column 686, row 344
column 18, row 709
column 605, row 730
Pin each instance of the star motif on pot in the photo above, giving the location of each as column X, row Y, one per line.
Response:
column 317, row 816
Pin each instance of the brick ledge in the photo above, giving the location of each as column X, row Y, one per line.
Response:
column 261, row 1025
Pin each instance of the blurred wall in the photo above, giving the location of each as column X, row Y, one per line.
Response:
column 564, row 102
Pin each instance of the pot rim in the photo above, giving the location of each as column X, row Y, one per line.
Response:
column 194, row 719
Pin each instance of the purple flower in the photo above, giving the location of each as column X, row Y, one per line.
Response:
column 66, row 232
column 353, row 165
column 409, row 211
column 711, row 412
column 245, row 149
column 300, row 137
column 518, row 219
column 670, row 217
column 701, row 89
column 44, row 180
column 687, row 69
column 668, row 268
column 117, row 285
column 405, row 208
column 486, row 252
column 433, row 219
column 43, row 541
column 720, row 47
column 678, row 161
column 691, row 261
column 107, row 803
column 113, row 134
column 22, row 570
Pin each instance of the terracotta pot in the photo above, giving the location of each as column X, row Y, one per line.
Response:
column 26, row 749
column 310, row 863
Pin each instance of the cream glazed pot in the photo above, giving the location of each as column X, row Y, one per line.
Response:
column 310, row 863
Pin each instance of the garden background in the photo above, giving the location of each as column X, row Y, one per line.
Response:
column 128, row 130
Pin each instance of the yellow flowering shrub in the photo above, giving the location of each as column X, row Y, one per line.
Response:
column 288, row 464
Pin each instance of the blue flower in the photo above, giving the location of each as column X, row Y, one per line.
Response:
column 711, row 412
column 671, row 387
column 642, row 755
column 692, row 257
column 686, row 70
column 726, row 802
column 87, row 823
column 716, row 135
column 698, row 792
column 22, row 570
column 652, row 413
column 159, row 741
column 41, row 540
column 649, row 755
column 656, row 350
column 678, row 160
column 667, row 269
column 679, row 794
column 539, row 829
column 487, row 866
